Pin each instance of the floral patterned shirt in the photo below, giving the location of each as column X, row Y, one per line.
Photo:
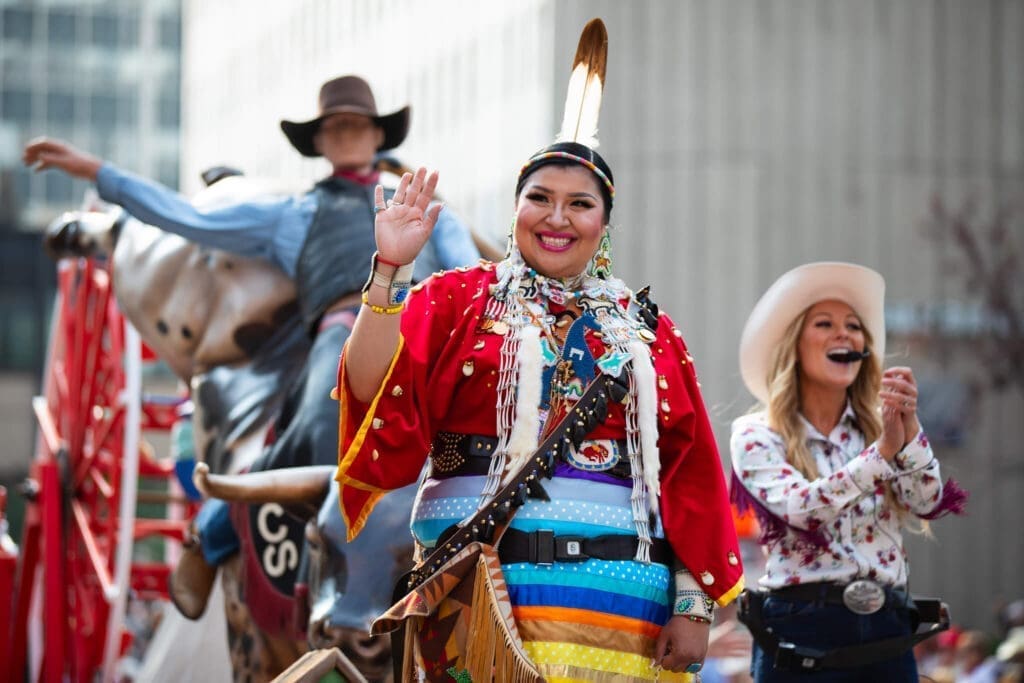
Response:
column 845, row 502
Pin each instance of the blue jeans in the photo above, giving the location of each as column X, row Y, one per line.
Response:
column 217, row 536
column 827, row 626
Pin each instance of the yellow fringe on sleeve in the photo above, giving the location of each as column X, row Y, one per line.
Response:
column 341, row 475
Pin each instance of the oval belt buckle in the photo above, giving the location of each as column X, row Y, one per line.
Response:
column 863, row 597
column 594, row 455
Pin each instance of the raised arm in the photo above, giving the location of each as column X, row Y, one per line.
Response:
column 252, row 228
column 44, row 153
column 402, row 226
column 760, row 462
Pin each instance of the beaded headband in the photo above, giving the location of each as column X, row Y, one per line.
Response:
column 571, row 157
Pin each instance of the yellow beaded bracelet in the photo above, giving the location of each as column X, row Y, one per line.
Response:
column 382, row 310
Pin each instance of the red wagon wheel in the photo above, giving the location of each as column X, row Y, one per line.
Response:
column 80, row 522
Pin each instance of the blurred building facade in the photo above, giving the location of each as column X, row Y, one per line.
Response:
column 105, row 75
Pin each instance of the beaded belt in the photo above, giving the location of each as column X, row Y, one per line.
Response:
column 457, row 455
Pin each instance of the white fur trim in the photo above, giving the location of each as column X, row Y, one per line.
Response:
column 523, row 441
column 647, row 418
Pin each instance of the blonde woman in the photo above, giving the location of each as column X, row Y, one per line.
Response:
column 836, row 465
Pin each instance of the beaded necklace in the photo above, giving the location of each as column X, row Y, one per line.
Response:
column 519, row 301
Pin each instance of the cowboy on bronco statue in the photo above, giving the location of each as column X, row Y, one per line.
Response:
column 323, row 239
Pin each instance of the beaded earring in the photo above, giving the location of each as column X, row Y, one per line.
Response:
column 601, row 264
column 511, row 237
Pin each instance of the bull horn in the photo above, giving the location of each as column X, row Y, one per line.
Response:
column 287, row 486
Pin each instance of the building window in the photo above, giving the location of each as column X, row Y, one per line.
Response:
column 58, row 188
column 167, row 172
column 60, row 108
column 104, row 111
column 61, row 28
column 170, row 32
column 14, row 189
column 17, row 106
column 17, row 23
column 130, row 29
column 107, row 146
column 22, row 184
column 168, row 115
column 104, row 30
column 128, row 109
column 26, row 294
column 19, row 339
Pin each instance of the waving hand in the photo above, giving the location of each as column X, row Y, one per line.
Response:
column 404, row 223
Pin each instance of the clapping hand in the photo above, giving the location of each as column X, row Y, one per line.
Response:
column 403, row 224
column 899, row 409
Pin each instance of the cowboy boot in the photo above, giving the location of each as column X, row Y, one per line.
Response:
column 192, row 580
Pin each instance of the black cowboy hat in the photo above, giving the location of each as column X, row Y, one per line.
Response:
column 347, row 94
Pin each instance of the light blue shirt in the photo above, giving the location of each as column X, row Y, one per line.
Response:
column 273, row 229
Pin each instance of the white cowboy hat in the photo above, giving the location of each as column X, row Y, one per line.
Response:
column 861, row 288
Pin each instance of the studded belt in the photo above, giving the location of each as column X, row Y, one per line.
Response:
column 453, row 454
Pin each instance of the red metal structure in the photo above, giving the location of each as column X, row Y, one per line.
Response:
column 8, row 564
column 76, row 568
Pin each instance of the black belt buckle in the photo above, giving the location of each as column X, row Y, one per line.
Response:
column 542, row 546
column 792, row 657
column 570, row 549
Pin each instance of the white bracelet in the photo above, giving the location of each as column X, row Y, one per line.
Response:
column 690, row 600
column 397, row 284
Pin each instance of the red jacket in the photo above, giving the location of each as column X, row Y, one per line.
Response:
column 445, row 376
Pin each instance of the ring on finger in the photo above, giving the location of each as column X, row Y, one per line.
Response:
column 378, row 209
column 694, row 668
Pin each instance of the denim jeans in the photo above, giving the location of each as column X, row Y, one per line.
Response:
column 217, row 536
column 826, row 627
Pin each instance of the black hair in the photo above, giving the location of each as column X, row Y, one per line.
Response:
column 540, row 159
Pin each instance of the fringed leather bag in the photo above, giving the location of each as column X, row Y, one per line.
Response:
column 462, row 621
column 454, row 607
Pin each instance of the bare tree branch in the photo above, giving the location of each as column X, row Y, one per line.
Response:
column 986, row 258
